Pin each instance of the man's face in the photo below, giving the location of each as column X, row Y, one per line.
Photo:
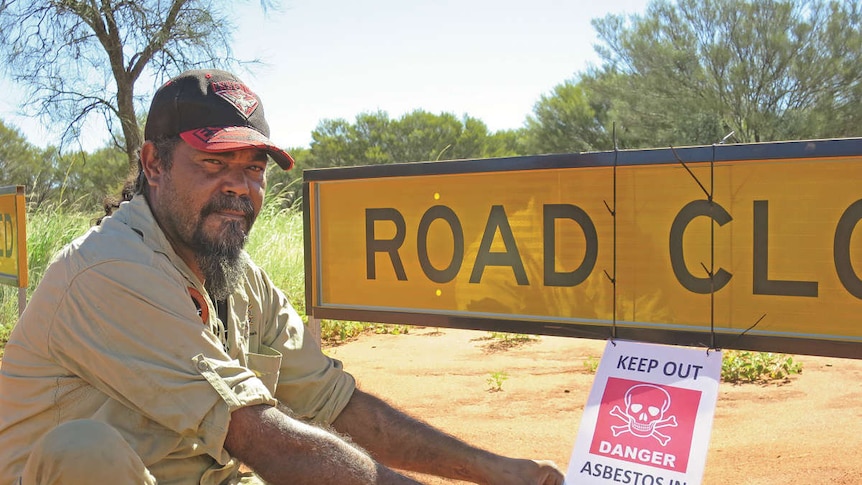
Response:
column 206, row 204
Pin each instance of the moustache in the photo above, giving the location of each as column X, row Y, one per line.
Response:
column 226, row 203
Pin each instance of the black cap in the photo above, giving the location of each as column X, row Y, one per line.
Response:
column 213, row 111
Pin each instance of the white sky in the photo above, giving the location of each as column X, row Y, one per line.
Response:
column 324, row 59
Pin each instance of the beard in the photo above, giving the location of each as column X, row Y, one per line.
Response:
column 223, row 273
column 220, row 256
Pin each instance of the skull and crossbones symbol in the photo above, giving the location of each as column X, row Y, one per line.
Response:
column 646, row 405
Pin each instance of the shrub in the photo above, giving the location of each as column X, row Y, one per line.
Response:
column 740, row 366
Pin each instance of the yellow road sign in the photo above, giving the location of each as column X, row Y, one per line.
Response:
column 13, row 237
column 577, row 243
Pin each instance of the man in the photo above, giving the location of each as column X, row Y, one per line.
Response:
column 155, row 351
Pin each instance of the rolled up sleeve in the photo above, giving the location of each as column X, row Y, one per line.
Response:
column 315, row 386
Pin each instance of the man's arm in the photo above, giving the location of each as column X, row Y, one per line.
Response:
column 283, row 450
column 402, row 442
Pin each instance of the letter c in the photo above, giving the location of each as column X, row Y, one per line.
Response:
column 841, row 249
column 691, row 210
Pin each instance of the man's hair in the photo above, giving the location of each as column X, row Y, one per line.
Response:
column 136, row 182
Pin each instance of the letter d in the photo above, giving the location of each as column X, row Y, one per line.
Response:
column 9, row 234
column 604, row 447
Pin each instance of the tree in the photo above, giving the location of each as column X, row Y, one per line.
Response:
column 691, row 72
column 81, row 57
column 568, row 121
column 422, row 136
column 337, row 143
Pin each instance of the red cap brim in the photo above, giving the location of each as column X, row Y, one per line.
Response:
column 229, row 138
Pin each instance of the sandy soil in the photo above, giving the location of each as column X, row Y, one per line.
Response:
column 808, row 430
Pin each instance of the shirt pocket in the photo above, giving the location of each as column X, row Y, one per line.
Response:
column 266, row 365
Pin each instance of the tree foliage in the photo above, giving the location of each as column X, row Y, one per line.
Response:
column 375, row 139
column 79, row 179
column 692, row 71
column 80, row 58
column 91, row 177
column 22, row 163
column 568, row 120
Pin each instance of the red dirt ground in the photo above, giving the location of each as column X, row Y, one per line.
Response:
column 808, row 430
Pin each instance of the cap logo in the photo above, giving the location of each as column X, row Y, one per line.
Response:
column 206, row 134
column 237, row 94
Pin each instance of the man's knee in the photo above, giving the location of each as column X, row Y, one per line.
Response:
column 83, row 451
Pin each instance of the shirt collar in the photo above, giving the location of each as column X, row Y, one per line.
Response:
column 137, row 214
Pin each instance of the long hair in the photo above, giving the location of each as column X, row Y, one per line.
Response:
column 136, row 183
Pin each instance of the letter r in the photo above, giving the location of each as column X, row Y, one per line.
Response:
column 390, row 246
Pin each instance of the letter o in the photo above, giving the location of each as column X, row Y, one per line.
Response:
column 448, row 273
column 672, row 365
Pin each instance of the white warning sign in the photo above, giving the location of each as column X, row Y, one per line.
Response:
column 648, row 416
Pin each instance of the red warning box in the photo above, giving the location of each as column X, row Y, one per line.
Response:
column 646, row 423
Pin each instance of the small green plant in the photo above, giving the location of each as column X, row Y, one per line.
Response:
column 334, row 332
column 500, row 341
column 591, row 364
column 495, row 381
column 740, row 366
column 391, row 329
column 512, row 337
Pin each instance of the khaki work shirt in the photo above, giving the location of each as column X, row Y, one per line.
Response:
column 121, row 331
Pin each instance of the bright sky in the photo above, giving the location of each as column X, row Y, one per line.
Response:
column 324, row 59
